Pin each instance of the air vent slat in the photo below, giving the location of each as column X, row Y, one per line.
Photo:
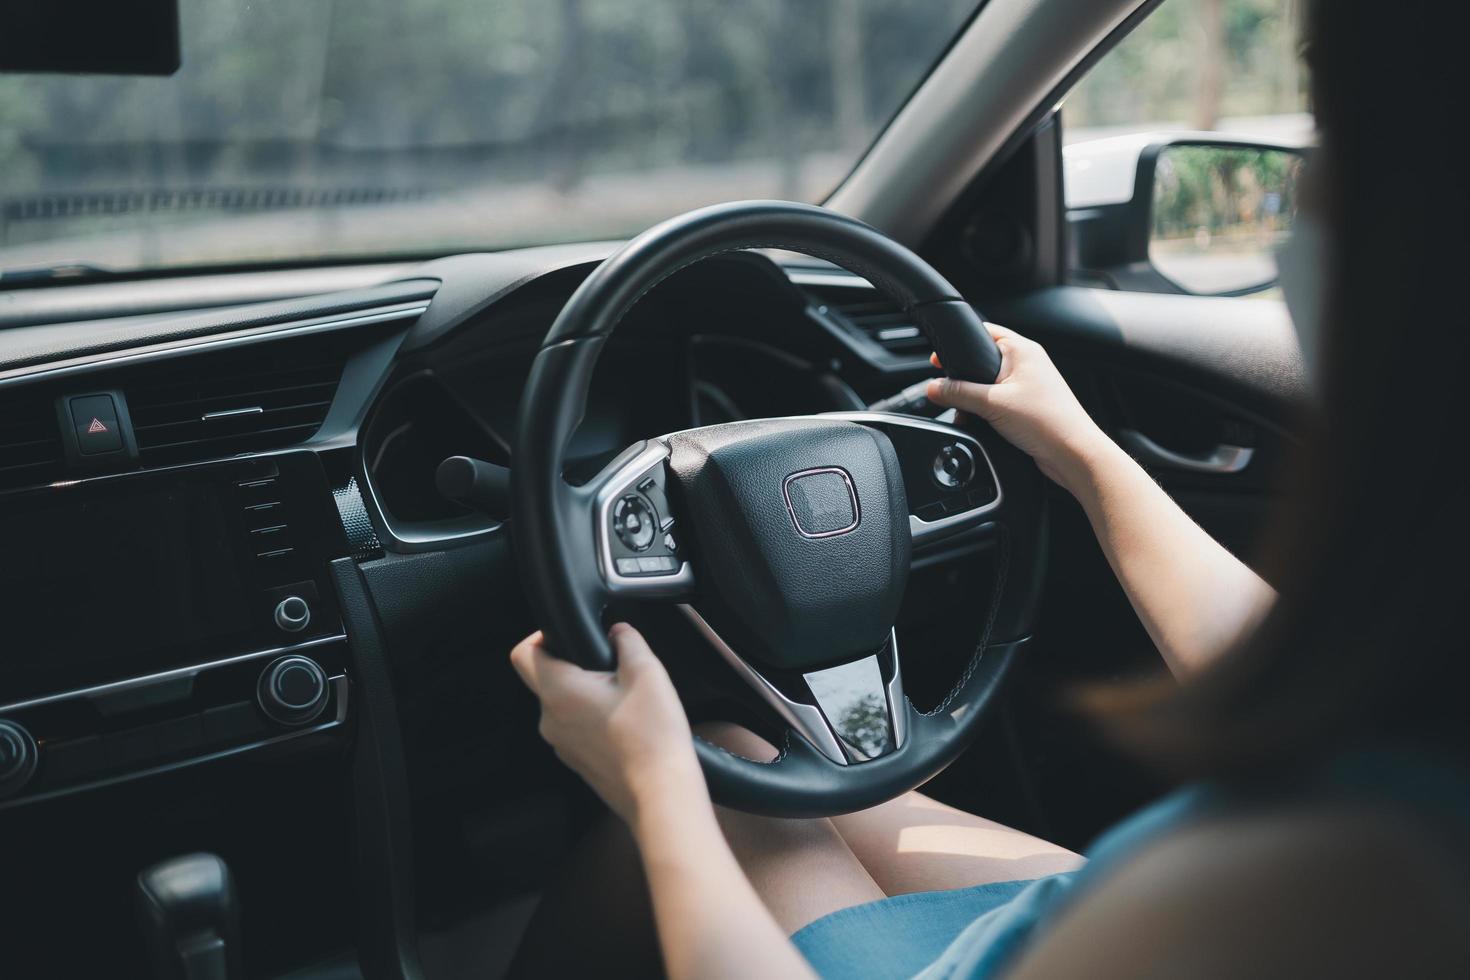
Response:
column 30, row 441
column 304, row 429
column 264, row 396
column 38, row 466
column 292, row 383
column 867, row 312
column 208, row 403
column 17, row 447
column 252, row 421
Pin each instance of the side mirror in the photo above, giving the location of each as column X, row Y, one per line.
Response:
column 1206, row 217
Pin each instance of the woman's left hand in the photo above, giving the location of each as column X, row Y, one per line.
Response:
column 623, row 731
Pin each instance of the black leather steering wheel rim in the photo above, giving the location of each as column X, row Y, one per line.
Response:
column 554, row 538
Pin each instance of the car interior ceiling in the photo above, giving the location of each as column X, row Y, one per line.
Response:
column 404, row 810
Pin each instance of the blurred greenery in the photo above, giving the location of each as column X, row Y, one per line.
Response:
column 865, row 724
column 511, row 88
column 1195, row 62
column 1220, row 214
column 343, row 127
column 506, row 121
column 1220, row 190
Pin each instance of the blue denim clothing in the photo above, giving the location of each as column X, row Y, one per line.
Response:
column 974, row 933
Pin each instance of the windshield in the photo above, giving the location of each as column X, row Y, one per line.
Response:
column 316, row 129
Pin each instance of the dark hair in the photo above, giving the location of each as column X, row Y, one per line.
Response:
column 1372, row 553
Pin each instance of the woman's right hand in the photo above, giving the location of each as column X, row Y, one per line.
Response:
column 1031, row 406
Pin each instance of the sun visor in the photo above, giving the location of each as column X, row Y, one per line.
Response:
column 92, row 37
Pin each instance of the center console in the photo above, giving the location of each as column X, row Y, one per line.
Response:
column 163, row 618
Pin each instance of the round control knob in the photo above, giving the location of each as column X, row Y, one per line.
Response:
column 954, row 466
column 292, row 690
column 17, row 758
column 635, row 522
column 292, row 614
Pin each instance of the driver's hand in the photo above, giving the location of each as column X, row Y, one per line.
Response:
column 623, row 731
column 1031, row 406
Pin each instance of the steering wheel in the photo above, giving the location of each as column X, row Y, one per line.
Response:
column 787, row 542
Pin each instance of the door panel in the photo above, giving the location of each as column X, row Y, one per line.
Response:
column 1190, row 375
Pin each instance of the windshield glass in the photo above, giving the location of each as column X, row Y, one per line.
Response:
column 314, row 129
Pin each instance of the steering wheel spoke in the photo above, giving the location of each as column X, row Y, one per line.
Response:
column 641, row 552
column 951, row 484
column 850, row 713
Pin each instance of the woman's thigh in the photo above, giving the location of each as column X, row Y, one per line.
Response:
column 910, row 844
column 917, row 844
column 802, row 869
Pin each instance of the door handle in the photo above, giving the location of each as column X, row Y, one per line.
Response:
column 1222, row 460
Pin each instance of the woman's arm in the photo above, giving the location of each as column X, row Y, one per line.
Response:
column 711, row 923
column 1194, row 597
column 625, row 732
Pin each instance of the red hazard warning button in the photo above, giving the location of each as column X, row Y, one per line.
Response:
column 95, row 419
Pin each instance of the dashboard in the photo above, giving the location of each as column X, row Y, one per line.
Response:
column 240, row 616
column 185, row 497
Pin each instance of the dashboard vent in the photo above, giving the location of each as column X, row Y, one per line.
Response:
column 870, row 312
column 30, row 442
column 251, row 399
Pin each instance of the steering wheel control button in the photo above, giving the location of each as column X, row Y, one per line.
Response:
column 653, row 489
column 293, row 690
column 670, row 544
column 822, row 502
column 647, row 565
column 954, row 466
column 635, row 522
column 17, row 758
column 293, row 614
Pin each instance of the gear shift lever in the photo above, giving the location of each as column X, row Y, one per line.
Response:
column 192, row 919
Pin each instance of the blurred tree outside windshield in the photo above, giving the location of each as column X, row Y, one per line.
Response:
column 1228, row 66
column 319, row 128
column 315, row 129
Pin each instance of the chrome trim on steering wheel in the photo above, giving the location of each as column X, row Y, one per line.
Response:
column 804, row 719
column 620, row 482
column 808, row 720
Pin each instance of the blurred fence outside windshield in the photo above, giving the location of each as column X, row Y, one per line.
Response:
column 320, row 128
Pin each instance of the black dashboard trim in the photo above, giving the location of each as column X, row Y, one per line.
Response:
column 51, row 370
column 190, row 670
column 46, row 344
column 340, row 687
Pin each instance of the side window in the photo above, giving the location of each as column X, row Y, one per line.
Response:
column 1182, row 149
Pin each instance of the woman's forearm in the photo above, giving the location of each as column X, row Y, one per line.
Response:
column 711, row 923
column 1193, row 596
